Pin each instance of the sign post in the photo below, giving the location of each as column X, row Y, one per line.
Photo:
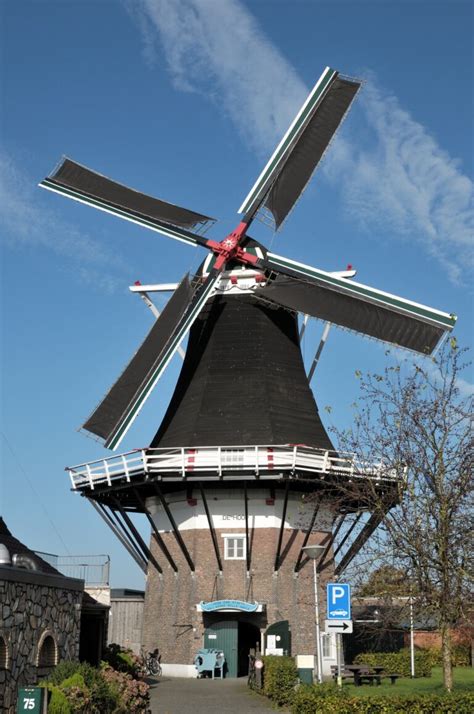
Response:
column 338, row 658
column 338, row 618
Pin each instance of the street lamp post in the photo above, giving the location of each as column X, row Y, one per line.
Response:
column 314, row 552
column 409, row 599
column 412, row 639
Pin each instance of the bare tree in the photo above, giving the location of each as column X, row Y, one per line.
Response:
column 417, row 417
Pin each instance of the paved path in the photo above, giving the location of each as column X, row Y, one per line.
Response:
column 170, row 695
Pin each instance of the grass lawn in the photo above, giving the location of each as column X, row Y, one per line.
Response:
column 463, row 681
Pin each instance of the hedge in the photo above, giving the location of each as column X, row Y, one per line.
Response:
column 319, row 700
column 280, row 677
column 460, row 655
column 398, row 662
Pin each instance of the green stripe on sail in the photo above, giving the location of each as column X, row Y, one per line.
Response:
column 326, row 78
column 169, row 231
column 448, row 321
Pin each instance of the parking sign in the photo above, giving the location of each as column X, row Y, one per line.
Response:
column 338, row 601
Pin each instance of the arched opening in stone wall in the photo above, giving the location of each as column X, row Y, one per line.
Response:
column 4, row 653
column 47, row 652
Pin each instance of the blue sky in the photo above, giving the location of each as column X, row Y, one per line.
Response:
column 185, row 100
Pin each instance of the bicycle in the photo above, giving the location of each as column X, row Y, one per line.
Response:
column 152, row 662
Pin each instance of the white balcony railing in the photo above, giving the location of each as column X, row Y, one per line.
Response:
column 224, row 461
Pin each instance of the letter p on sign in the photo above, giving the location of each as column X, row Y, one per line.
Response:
column 338, row 601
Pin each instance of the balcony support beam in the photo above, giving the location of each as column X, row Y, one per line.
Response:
column 308, row 533
column 374, row 521
column 282, row 527
column 155, row 530
column 174, row 526
column 138, row 558
column 322, row 562
column 149, row 555
column 348, row 533
column 211, row 528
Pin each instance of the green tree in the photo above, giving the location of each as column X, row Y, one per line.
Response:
column 385, row 580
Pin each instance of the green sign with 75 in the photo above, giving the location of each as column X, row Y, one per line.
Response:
column 30, row 700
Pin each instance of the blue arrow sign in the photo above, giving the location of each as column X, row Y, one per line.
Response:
column 338, row 601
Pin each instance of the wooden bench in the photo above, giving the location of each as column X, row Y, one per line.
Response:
column 371, row 678
column 393, row 677
column 345, row 673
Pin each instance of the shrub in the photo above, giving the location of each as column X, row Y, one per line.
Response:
column 311, row 700
column 398, row 662
column 133, row 694
column 79, row 687
column 63, row 671
column 123, row 660
column 279, row 678
column 460, row 655
column 103, row 698
column 77, row 693
column 58, row 704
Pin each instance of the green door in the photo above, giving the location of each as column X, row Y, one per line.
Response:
column 222, row 635
column 281, row 636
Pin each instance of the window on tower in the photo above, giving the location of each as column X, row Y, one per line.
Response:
column 234, row 546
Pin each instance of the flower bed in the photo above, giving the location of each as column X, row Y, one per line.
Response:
column 76, row 687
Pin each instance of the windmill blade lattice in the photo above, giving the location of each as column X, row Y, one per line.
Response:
column 358, row 307
column 298, row 154
column 113, row 417
column 82, row 184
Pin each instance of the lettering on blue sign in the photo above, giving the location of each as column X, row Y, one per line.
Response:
column 229, row 605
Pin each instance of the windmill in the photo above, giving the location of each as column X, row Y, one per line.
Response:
column 242, row 426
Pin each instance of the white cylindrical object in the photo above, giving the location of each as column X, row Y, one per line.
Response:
column 412, row 640
column 318, row 632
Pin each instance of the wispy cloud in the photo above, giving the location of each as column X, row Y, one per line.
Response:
column 218, row 49
column 27, row 223
column 398, row 179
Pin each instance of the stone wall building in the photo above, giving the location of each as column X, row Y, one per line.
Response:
column 40, row 618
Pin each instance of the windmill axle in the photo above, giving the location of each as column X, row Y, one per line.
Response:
column 229, row 248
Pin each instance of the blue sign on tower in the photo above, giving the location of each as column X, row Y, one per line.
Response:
column 339, row 601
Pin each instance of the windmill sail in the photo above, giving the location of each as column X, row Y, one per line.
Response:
column 112, row 418
column 355, row 306
column 82, row 184
column 301, row 149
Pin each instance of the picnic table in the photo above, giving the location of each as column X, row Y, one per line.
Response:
column 361, row 674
